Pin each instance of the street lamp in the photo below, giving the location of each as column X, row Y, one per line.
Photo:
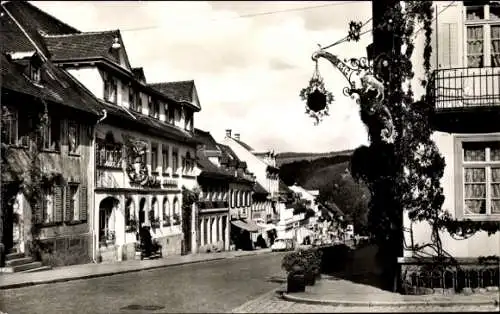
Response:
column 370, row 88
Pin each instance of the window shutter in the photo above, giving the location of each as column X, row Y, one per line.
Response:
column 68, row 216
column 83, row 203
column 449, row 30
column 58, row 203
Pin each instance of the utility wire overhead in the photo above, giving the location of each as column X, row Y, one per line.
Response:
column 249, row 15
column 344, row 39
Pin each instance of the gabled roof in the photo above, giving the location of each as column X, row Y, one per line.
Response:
column 228, row 154
column 39, row 19
column 35, row 21
column 259, row 189
column 206, row 139
column 138, row 74
column 182, row 91
column 56, row 85
column 88, row 45
column 283, row 188
column 245, row 145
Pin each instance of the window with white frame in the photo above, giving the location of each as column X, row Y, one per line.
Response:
column 164, row 158
column 9, row 126
column 73, row 137
column 154, row 157
column 51, row 134
column 110, row 90
column 480, row 165
column 48, row 208
column 72, row 208
column 483, row 34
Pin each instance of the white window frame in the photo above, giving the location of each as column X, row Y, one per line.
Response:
column 459, row 173
column 74, row 199
column 48, row 206
column 486, row 23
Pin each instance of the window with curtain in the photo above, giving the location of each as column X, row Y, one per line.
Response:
column 475, row 43
column 483, row 35
column 166, row 215
column 481, row 174
column 154, row 157
column 495, row 45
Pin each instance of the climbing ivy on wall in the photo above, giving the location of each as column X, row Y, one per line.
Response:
column 406, row 174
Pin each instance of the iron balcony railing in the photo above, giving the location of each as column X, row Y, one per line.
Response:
column 465, row 87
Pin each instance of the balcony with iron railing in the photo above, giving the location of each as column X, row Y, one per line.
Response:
column 465, row 99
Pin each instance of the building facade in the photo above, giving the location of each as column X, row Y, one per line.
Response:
column 141, row 152
column 33, row 87
column 144, row 147
column 465, row 93
column 263, row 165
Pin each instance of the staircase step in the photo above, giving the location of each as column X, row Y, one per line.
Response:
column 19, row 261
column 27, row 266
column 12, row 256
column 42, row 268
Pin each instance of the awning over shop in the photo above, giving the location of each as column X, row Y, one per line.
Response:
column 251, row 227
column 266, row 227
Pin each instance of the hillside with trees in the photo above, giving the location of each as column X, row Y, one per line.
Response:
column 331, row 176
column 290, row 157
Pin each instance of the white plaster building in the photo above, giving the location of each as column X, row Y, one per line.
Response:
column 263, row 166
column 144, row 145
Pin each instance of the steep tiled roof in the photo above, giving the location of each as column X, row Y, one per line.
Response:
column 145, row 123
column 208, row 169
column 245, row 145
column 86, row 45
column 182, row 91
column 35, row 21
column 207, row 139
column 56, row 86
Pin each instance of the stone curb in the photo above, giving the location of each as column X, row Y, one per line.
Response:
column 117, row 272
column 292, row 298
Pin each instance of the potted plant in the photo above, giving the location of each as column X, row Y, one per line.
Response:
column 294, row 264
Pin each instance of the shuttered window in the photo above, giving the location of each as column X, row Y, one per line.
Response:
column 58, row 204
column 83, row 203
column 72, row 208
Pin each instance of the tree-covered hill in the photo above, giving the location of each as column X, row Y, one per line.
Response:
column 331, row 176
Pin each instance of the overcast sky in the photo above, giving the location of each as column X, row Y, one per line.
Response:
column 248, row 70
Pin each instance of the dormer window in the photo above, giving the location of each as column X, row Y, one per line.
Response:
column 132, row 99
column 35, row 73
column 110, row 90
column 171, row 115
column 154, row 108
column 188, row 122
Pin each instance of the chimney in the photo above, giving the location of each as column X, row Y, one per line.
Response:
column 237, row 136
column 228, row 132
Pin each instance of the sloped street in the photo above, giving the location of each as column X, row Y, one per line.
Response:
column 217, row 286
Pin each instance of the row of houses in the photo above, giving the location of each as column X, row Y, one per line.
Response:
column 117, row 152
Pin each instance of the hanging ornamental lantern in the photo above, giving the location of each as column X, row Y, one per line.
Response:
column 317, row 97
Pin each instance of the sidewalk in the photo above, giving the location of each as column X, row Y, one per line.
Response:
column 86, row 271
column 333, row 291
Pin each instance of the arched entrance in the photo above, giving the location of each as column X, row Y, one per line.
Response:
column 107, row 209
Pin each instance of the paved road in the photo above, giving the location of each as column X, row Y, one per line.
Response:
column 271, row 303
column 217, row 286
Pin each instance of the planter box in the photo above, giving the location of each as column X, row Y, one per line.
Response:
column 296, row 283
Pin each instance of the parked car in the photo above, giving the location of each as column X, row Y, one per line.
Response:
column 281, row 244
